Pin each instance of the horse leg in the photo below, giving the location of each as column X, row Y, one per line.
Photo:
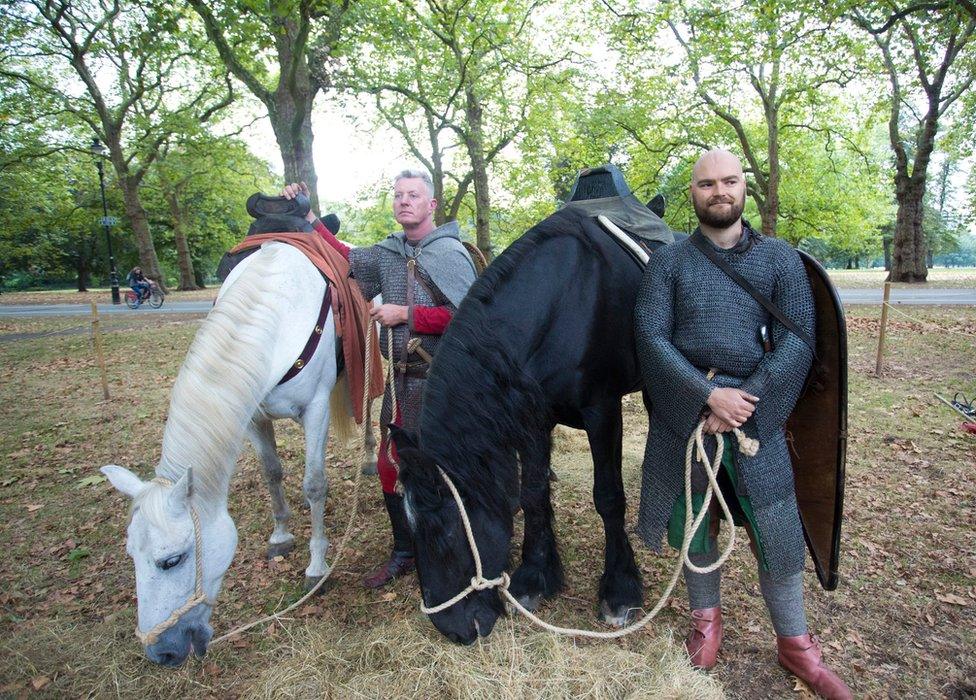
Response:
column 262, row 436
column 315, row 485
column 370, row 468
column 621, row 590
column 541, row 573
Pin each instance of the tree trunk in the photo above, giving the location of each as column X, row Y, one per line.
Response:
column 908, row 257
column 291, row 111
column 83, row 272
column 770, row 213
column 185, row 264
column 140, row 227
column 474, row 140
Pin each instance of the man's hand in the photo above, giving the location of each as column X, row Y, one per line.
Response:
column 732, row 406
column 293, row 190
column 389, row 314
column 714, row 426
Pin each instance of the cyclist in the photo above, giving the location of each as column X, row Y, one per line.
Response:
column 140, row 284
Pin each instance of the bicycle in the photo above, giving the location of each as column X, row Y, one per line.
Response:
column 155, row 297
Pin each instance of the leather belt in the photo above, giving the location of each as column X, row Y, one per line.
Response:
column 313, row 340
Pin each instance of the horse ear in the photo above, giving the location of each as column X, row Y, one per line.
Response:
column 182, row 490
column 403, row 439
column 123, row 480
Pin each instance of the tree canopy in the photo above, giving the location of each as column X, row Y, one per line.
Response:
column 854, row 120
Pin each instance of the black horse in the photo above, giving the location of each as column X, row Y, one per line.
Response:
column 544, row 336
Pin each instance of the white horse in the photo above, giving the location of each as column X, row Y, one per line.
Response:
column 181, row 536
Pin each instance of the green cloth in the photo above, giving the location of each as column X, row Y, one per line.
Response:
column 739, row 506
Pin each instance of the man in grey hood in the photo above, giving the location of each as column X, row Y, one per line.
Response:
column 422, row 271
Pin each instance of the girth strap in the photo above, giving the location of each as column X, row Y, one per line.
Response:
column 313, row 340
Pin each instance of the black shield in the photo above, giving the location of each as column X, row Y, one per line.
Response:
column 817, row 431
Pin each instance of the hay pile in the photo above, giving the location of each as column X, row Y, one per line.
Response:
column 409, row 659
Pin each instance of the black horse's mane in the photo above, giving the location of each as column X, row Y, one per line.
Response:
column 478, row 402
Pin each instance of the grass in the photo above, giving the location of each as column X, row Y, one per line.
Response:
column 903, row 622
column 949, row 277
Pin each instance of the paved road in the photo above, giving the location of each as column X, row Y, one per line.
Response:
column 909, row 296
column 176, row 307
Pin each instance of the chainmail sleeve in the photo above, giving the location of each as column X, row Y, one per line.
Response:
column 682, row 388
column 781, row 373
column 364, row 268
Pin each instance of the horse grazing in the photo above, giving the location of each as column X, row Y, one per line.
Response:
column 544, row 336
column 180, row 536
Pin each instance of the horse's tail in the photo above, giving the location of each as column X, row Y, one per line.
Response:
column 340, row 410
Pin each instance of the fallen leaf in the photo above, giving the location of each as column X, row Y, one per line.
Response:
column 34, row 507
column 39, row 682
column 388, row 596
column 953, row 599
column 92, row 480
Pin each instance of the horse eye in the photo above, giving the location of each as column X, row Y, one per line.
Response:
column 167, row 564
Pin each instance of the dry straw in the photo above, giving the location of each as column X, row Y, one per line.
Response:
column 409, row 659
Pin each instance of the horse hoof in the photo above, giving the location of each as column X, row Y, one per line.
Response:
column 311, row 581
column 370, row 469
column 280, row 549
column 621, row 617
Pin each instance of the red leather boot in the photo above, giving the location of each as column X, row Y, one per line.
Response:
column 801, row 656
column 705, row 637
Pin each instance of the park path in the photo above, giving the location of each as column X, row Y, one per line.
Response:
column 906, row 296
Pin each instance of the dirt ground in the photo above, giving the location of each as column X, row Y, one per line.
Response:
column 901, row 624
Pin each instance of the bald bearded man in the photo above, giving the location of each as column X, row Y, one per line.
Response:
column 692, row 318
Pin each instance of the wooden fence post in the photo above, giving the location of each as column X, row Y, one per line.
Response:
column 99, row 353
column 884, row 328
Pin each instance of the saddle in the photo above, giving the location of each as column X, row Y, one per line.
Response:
column 274, row 215
column 603, row 192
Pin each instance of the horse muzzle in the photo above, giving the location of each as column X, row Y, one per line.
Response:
column 174, row 645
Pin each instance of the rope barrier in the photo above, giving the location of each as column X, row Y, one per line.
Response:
column 933, row 326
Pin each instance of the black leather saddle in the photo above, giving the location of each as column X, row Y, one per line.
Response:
column 604, row 191
column 274, row 215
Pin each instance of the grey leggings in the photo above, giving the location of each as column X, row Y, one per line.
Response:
column 784, row 597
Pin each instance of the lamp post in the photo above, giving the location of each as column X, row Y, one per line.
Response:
column 98, row 150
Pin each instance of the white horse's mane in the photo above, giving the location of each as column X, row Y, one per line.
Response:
column 220, row 386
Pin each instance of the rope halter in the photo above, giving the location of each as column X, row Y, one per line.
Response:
column 152, row 636
column 478, row 581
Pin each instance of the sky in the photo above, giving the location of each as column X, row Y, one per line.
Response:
column 348, row 159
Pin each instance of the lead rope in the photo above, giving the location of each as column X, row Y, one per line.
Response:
column 363, row 456
column 747, row 446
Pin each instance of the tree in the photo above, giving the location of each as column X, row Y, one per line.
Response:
column 196, row 193
column 929, row 62
column 139, row 76
column 788, row 53
column 490, row 75
column 250, row 36
column 48, row 220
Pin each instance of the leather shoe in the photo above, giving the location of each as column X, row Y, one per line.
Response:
column 802, row 657
column 705, row 637
column 399, row 564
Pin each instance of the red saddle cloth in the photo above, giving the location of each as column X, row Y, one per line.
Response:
column 350, row 310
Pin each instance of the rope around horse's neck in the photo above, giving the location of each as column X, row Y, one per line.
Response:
column 363, row 456
column 747, row 446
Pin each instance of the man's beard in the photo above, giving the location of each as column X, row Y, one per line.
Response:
column 716, row 219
